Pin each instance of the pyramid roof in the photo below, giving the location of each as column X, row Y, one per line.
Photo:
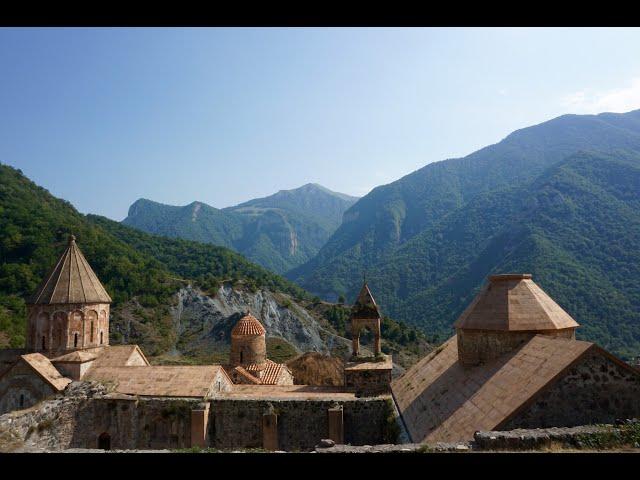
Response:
column 72, row 280
column 513, row 302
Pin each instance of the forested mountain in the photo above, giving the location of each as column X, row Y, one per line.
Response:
column 278, row 232
column 148, row 278
column 558, row 200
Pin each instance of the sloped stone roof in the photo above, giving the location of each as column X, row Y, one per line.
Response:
column 442, row 401
column 248, row 325
column 159, row 381
column 513, row 302
column 46, row 370
column 75, row 357
column 365, row 305
column 116, row 355
column 70, row 281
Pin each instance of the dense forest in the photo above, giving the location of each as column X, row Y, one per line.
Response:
column 558, row 200
column 278, row 232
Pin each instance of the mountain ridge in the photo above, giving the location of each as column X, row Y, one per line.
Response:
column 279, row 231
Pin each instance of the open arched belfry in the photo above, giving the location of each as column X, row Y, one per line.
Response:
column 365, row 314
column 70, row 308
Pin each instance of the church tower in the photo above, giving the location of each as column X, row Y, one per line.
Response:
column 367, row 375
column 70, row 309
column 249, row 345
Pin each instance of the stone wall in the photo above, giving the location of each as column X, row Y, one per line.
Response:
column 301, row 424
column 21, row 388
column 368, row 381
column 130, row 422
column 596, row 390
column 479, row 346
column 54, row 328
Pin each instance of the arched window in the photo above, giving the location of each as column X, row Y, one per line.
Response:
column 21, row 400
column 241, row 352
column 100, row 338
column 91, row 332
column 75, row 340
column 44, row 345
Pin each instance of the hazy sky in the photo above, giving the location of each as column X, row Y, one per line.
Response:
column 102, row 117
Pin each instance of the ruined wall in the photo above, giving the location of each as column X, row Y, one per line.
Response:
column 21, row 388
column 479, row 346
column 596, row 390
column 301, row 424
column 135, row 423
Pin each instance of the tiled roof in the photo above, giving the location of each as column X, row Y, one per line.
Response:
column 441, row 401
column 248, row 325
column 365, row 306
column 47, row 371
column 159, row 381
column 270, row 372
column 70, row 281
column 514, row 302
column 247, row 376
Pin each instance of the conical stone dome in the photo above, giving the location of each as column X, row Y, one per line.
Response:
column 71, row 281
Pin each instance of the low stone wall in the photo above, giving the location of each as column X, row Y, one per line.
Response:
column 592, row 437
column 301, row 424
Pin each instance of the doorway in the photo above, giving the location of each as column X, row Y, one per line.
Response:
column 104, row 441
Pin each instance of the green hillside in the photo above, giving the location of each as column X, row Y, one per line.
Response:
column 34, row 227
column 529, row 204
column 142, row 273
column 278, row 232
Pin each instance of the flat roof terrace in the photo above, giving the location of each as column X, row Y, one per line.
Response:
column 287, row 392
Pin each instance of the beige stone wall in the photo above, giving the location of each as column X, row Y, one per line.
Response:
column 56, row 327
column 480, row 346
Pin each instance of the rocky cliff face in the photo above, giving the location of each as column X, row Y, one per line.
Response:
column 204, row 323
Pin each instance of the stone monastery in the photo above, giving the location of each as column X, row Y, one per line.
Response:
column 513, row 362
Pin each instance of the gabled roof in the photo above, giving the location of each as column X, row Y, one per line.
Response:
column 160, row 381
column 118, row 356
column 513, row 302
column 75, row 357
column 70, row 281
column 365, row 306
column 442, row 401
column 46, row 370
column 248, row 325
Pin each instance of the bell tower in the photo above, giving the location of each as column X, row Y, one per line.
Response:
column 70, row 309
column 365, row 314
column 367, row 375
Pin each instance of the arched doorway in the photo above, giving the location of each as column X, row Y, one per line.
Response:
column 104, row 441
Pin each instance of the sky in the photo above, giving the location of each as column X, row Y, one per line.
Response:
column 104, row 116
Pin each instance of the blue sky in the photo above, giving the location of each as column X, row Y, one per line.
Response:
column 102, row 117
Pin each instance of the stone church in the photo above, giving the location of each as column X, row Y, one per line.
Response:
column 514, row 362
